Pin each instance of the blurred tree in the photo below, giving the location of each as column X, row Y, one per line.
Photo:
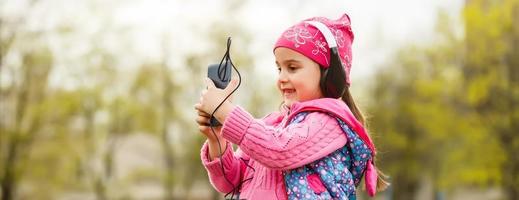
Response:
column 437, row 106
column 16, row 95
column 169, row 111
column 156, row 93
column 492, row 76
column 25, row 95
column 52, row 143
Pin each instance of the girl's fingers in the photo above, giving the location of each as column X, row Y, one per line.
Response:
column 206, row 130
column 203, row 114
column 202, row 120
column 232, row 85
column 198, row 106
column 209, row 83
column 203, row 129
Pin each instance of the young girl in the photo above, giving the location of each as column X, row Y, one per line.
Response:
column 316, row 146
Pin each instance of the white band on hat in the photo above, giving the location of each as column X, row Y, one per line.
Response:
column 328, row 36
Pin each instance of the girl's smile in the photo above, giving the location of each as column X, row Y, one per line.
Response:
column 288, row 92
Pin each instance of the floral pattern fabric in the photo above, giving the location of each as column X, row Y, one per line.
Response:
column 335, row 176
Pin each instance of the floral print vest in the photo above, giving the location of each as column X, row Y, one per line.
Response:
column 335, row 176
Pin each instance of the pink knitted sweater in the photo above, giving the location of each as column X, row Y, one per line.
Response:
column 268, row 146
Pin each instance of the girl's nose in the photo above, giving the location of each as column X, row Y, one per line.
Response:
column 282, row 77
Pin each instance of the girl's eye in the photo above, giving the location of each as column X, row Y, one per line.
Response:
column 279, row 69
column 291, row 68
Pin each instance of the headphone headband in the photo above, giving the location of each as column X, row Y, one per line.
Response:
column 333, row 78
column 327, row 33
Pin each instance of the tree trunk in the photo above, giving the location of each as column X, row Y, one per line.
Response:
column 166, row 145
column 8, row 180
column 510, row 140
column 168, row 157
column 404, row 187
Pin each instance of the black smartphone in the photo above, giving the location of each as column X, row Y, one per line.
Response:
column 221, row 77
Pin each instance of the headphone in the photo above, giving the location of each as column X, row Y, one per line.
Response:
column 333, row 78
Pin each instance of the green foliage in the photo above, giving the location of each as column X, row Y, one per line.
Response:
column 442, row 111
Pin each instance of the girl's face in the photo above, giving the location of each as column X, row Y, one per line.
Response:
column 299, row 76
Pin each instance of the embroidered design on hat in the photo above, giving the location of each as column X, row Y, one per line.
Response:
column 320, row 46
column 298, row 35
column 348, row 61
column 339, row 38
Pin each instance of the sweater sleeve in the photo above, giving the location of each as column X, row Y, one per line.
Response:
column 284, row 148
column 231, row 166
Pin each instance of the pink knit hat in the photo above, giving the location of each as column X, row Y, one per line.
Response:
column 309, row 41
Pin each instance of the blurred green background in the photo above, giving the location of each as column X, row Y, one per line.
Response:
column 96, row 97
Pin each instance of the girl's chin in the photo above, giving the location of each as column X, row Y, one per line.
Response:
column 289, row 102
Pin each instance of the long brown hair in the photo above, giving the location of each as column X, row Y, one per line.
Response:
column 382, row 184
column 348, row 99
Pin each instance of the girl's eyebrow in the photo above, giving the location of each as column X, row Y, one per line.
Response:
column 288, row 61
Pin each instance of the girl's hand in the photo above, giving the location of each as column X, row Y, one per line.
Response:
column 203, row 125
column 215, row 141
column 212, row 97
